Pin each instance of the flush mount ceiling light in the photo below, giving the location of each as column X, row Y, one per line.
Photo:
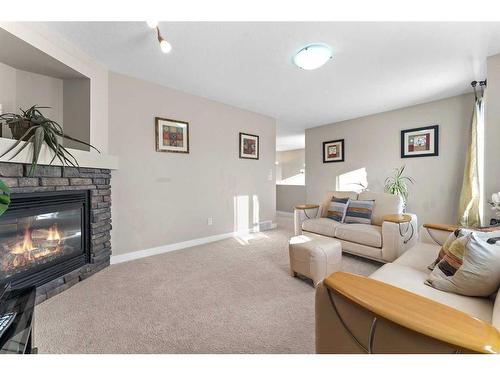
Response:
column 313, row 56
column 165, row 46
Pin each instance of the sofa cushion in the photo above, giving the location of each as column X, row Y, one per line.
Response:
column 385, row 204
column 323, row 226
column 470, row 267
column 419, row 257
column 338, row 209
column 337, row 194
column 365, row 234
column 413, row 280
column 359, row 212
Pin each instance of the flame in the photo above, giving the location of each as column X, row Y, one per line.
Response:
column 24, row 252
column 54, row 234
column 26, row 246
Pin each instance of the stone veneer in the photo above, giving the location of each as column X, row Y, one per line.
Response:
column 55, row 178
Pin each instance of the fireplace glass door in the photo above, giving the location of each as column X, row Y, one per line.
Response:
column 36, row 239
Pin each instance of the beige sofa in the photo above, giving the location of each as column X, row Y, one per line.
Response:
column 393, row 311
column 383, row 240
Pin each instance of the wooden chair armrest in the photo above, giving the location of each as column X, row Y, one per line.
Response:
column 416, row 313
column 397, row 218
column 306, row 206
column 445, row 227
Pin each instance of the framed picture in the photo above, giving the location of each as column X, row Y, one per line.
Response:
column 171, row 135
column 249, row 146
column 333, row 151
column 419, row 142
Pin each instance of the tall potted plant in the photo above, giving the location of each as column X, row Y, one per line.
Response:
column 397, row 184
column 34, row 128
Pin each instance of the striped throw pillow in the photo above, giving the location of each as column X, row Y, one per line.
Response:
column 338, row 209
column 359, row 212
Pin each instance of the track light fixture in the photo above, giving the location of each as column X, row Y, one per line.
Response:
column 165, row 46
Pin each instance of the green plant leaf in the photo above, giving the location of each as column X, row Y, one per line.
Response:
column 4, row 197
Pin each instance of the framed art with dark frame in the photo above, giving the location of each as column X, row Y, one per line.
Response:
column 333, row 151
column 420, row 142
column 171, row 135
column 249, row 146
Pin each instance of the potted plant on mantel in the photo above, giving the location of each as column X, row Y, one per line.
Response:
column 397, row 185
column 4, row 197
column 35, row 129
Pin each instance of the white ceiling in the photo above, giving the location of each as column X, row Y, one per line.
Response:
column 376, row 66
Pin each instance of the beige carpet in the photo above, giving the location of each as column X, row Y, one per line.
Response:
column 231, row 296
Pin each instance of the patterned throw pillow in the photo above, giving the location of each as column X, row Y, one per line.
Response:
column 471, row 267
column 446, row 246
column 337, row 209
column 359, row 212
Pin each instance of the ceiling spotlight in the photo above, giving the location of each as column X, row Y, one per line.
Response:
column 313, row 56
column 152, row 24
column 165, row 46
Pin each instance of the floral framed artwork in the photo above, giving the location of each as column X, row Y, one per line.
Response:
column 249, row 146
column 420, row 142
column 333, row 151
column 171, row 135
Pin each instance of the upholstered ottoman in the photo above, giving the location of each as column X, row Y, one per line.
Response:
column 314, row 256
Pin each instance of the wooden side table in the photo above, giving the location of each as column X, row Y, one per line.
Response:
column 401, row 219
column 305, row 207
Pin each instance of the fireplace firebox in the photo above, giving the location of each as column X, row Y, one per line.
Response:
column 44, row 236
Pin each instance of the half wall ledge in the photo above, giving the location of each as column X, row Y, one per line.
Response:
column 86, row 159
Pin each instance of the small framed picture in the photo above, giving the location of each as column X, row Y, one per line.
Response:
column 333, row 151
column 419, row 142
column 249, row 146
column 171, row 135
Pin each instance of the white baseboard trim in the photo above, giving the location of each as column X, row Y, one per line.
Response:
column 115, row 259
column 284, row 213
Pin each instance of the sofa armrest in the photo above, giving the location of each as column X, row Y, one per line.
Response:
column 399, row 233
column 303, row 212
column 415, row 313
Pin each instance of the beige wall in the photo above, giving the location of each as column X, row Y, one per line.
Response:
column 76, row 112
column 373, row 143
column 54, row 45
column 288, row 196
column 289, row 163
column 41, row 90
column 492, row 134
column 161, row 198
column 21, row 89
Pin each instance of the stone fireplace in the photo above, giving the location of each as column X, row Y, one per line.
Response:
column 57, row 230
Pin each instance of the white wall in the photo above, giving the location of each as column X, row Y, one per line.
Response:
column 492, row 134
column 373, row 143
column 161, row 198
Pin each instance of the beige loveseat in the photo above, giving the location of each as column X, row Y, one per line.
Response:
column 383, row 240
column 393, row 311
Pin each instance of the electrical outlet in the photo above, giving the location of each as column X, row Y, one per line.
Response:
column 210, row 221
column 270, row 175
